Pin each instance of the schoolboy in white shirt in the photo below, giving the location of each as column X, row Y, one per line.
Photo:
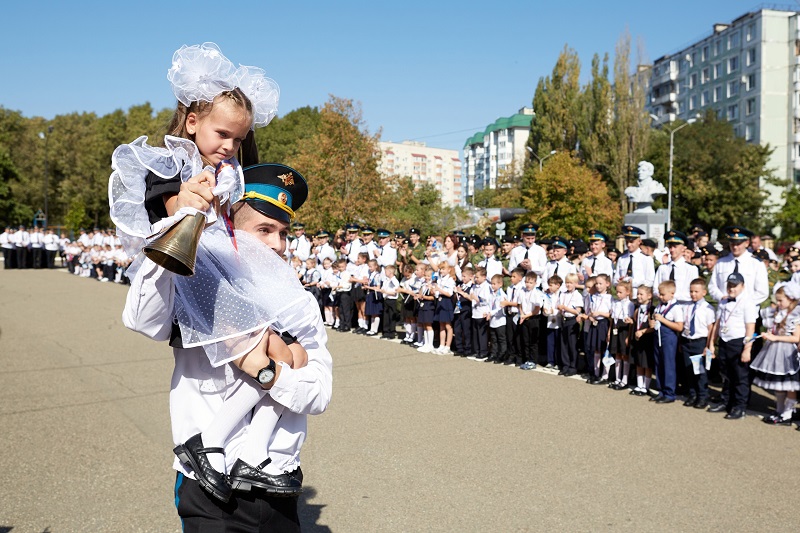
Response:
column 736, row 322
column 699, row 318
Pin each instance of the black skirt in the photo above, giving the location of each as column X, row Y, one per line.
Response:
column 617, row 344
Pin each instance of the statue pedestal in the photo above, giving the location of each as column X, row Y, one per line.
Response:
column 653, row 224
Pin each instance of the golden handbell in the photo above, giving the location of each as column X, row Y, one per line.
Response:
column 176, row 250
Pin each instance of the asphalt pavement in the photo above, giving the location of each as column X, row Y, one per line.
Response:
column 411, row 441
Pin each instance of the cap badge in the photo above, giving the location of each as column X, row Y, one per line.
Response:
column 282, row 198
column 287, row 179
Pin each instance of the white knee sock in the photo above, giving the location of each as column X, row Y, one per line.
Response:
column 647, row 382
column 780, row 399
column 626, row 369
column 362, row 323
column 596, row 364
column 375, row 321
column 789, row 410
column 420, row 334
column 238, row 403
column 329, row 315
column 639, row 381
column 409, row 327
column 262, row 425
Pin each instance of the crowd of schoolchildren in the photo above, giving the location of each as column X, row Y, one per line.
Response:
column 645, row 320
column 97, row 254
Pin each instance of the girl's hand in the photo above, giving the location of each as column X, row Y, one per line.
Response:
column 768, row 336
column 195, row 193
column 627, row 320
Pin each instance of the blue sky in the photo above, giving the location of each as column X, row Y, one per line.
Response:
column 435, row 71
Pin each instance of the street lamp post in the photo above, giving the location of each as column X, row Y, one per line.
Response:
column 672, row 133
column 540, row 159
column 46, row 175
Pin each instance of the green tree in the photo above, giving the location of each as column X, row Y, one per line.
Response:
column 716, row 175
column 567, row 198
column 556, row 103
column 597, row 118
column 340, row 163
column 76, row 215
column 280, row 141
column 788, row 218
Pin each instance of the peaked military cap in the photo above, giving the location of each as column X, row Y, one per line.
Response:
column 414, row 231
column 321, row 233
column 597, row 235
column 352, row 227
column 489, row 240
column 560, row 242
column 709, row 250
column 632, row 232
column 400, row 234
column 382, row 233
column 676, row 237
column 367, row 230
column 529, row 229
column 650, row 243
column 736, row 233
column 274, row 190
column 298, row 225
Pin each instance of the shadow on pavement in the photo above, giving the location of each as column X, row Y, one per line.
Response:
column 309, row 513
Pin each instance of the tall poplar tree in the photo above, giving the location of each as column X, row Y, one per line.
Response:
column 557, row 105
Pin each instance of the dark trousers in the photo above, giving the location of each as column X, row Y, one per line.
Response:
column 390, row 315
column 529, row 339
column 696, row 383
column 37, row 257
column 22, row 257
column 249, row 512
column 480, row 337
column 512, row 338
column 665, row 355
column 50, row 256
column 8, row 258
column 497, row 342
column 553, row 341
column 569, row 345
column 462, row 331
column 738, row 373
column 346, row 307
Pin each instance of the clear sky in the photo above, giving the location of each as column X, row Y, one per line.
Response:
column 435, row 70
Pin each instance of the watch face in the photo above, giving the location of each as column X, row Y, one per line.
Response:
column 265, row 375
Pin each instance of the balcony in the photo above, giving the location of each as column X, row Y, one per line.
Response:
column 666, row 118
column 664, row 98
column 670, row 75
column 797, row 138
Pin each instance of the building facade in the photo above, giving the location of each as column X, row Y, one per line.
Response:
column 498, row 149
column 437, row 166
column 748, row 72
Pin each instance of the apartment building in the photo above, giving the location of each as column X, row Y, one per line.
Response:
column 498, row 149
column 424, row 164
column 748, row 72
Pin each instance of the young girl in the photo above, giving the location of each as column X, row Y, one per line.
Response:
column 325, row 291
column 641, row 341
column 218, row 107
column 443, row 291
column 426, row 310
column 409, row 304
column 598, row 314
column 373, row 308
column 619, row 337
column 776, row 366
column 359, row 278
column 389, row 286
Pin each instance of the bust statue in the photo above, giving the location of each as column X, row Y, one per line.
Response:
column 643, row 195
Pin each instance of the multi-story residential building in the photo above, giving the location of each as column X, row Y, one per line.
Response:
column 499, row 149
column 424, row 164
column 748, row 72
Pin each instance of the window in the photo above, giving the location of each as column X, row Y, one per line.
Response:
column 750, row 32
column 704, row 98
column 733, row 112
column 733, row 88
column 718, row 93
column 693, row 102
column 751, row 81
column 693, row 80
column 720, row 113
column 704, row 53
column 733, row 64
column 717, row 47
column 733, row 40
column 750, row 59
column 750, row 106
column 694, row 58
column 704, row 77
column 749, row 132
column 717, row 70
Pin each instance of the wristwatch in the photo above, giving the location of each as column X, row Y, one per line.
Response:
column 266, row 374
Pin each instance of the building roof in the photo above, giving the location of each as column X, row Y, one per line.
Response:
column 517, row 120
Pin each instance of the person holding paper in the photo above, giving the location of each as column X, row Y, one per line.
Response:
column 699, row 317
